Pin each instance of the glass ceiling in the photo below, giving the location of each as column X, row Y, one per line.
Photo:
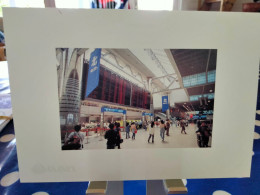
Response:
column 157, row 61
column 118, row 66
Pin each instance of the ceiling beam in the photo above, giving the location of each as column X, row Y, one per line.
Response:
column 154, row 78
column 118, row 67
column 175, row 68
column 147, row 73
column 207, row 70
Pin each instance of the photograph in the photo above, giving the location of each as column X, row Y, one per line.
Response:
column 164, row 87
column 135, row 98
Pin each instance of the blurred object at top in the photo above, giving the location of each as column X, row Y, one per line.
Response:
column 2, row 38
column 252, row 7
column 216, row 5
column 114, row 4
column 4, row 78
column 2, row 48
column 5, row 97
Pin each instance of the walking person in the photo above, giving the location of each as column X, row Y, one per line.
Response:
column 151, row 132
column 145, row 125
column 111, row 137
column 167, row 126
column 182, row 127
column 74, row 140
column 162, row 130
column 176, row 122
column 127, row 130
column 134, row 130
column 205, row 133
column 118, row 135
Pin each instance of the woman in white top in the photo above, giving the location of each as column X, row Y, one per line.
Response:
column 134, row 130
column 162, row 130
column 151, row 131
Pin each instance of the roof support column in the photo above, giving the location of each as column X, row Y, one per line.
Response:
column 151, row 98
column 168, row 110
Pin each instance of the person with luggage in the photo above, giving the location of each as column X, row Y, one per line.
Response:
column 205, row 134
column 134, row 130
column 182, row 127
column 127, row 130
column 119, row 140
column 75, row 140
column 162, row 130
column 167, row 126
column 111, row 135
column 151, row 132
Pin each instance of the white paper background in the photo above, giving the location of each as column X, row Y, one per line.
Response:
column 32, row 36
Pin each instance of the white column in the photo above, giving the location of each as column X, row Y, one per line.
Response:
column 101, row 125
column 151, row 99
column 168, row 110
column 124, row 119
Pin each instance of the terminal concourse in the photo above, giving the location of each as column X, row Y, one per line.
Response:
column 172, row 88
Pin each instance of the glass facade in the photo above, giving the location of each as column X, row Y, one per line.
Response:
column 199, row 79
column 193, row 80
column 211, row 76
column 196, row 97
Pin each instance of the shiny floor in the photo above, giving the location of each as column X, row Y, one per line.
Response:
column 174, row 140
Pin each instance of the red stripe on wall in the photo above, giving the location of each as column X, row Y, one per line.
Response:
column 115, row 90
column 104, row 85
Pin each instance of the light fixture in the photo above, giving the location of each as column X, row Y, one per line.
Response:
column 210, row 90
column 209, row 101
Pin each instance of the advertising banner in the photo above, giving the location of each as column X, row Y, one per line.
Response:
column 93, row 71
column 165, row 104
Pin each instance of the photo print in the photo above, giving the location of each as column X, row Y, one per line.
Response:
column 136, row 98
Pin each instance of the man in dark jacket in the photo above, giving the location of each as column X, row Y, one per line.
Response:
column 167, row 127
column 118, row 135
column 111, row 137
column 205, row 133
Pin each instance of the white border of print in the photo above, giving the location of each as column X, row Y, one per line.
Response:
column 32, row 36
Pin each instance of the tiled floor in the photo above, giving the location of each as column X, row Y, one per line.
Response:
column 175, row 140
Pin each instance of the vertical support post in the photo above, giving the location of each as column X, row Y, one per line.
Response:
column 143, row 118
column 101, row 125
column 151, row 99
column 168, row 110
column 124, row 121
column 168, row 113
column 131, row 95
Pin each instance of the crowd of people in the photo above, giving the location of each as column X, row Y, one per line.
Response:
column 114, row 138
column 113, row 134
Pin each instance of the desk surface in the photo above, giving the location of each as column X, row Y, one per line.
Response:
column 10, row 184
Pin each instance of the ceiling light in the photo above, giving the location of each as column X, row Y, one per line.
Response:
column 209, row 101
column 210, row 90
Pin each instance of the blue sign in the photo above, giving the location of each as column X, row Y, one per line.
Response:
column 93, row 71
column 104, row 109
column 165, row 105
column 147, row 114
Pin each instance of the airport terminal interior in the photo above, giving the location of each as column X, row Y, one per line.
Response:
column 131, row 89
